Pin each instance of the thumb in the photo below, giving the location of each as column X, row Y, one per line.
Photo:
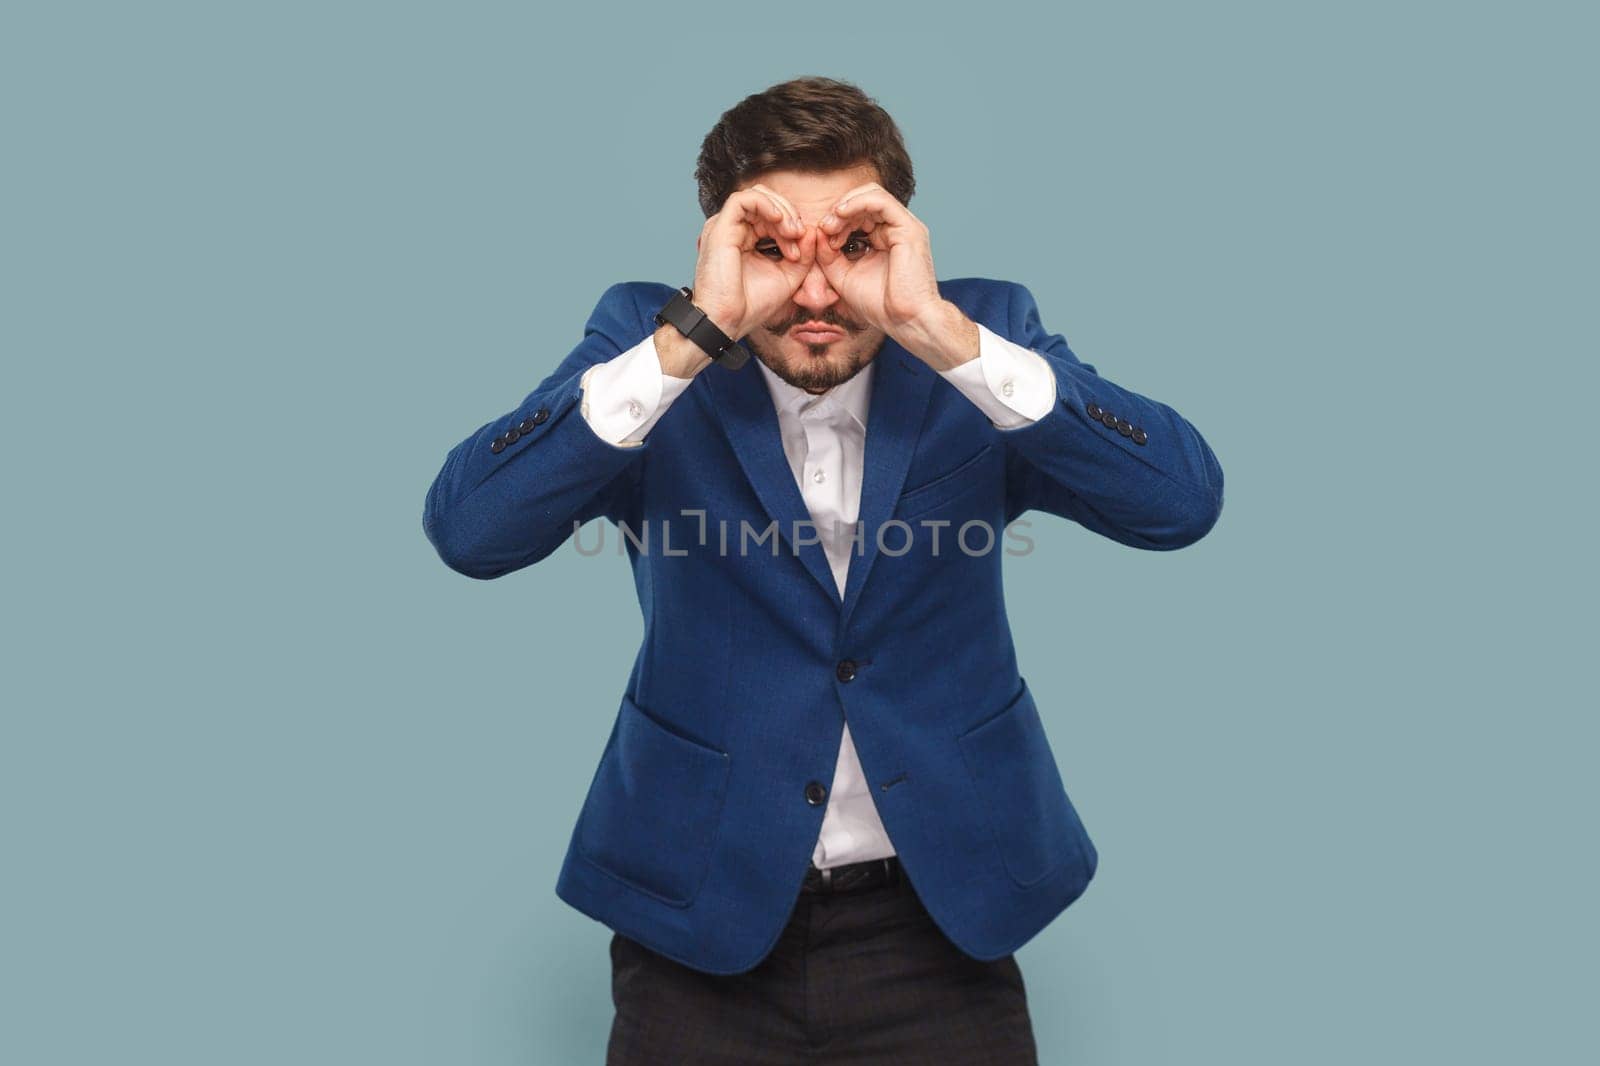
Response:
column 809, row 242
column 831, row 260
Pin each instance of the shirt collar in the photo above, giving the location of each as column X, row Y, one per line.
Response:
column 852, row 396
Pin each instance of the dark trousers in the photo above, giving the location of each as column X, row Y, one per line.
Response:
column 856, row 978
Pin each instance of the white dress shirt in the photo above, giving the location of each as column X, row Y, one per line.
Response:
column 824, row 437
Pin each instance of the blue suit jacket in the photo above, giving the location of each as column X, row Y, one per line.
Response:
column 697, row 828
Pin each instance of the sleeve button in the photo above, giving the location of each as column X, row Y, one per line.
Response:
column 1139, row 435
column 527, row 425
column 540, row 416
column 1092, row 409
column 1108, row 419
column 498, row 445
column 1124, row 427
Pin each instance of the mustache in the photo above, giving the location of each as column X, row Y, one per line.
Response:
column 827, row 318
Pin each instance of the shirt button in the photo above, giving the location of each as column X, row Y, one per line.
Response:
column 634, row 409
column 1006, row 388
column 818, row 476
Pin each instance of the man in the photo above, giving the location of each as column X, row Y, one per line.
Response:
column 827, row 814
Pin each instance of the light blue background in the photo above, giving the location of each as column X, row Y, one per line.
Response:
column 278, row 787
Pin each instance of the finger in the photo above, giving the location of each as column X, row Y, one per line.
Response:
column 797, row 270
column 833, row 263
column 796, row 224
column 868, row 205
column 824, row 251
column 789, row 229
column 864, row 227
column 831, row 218
column 800, row 266
column 793, row 230
column 866, row 187
column 868, row 209
column 747, row 216
column 809, row 246
column 838, row 230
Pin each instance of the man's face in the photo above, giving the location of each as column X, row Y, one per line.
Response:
column 817, row 366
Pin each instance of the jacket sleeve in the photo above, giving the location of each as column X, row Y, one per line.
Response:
column 1125, row 466
column 514, row 491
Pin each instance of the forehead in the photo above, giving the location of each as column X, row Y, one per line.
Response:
column 813, row 192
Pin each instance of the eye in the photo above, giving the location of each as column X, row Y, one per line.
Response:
column 767, row 244
column 859, row 239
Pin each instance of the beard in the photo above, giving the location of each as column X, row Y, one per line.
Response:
column 814, row 367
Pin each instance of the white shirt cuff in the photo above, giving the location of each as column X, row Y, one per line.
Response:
column 1012, row 385
column 624, row 396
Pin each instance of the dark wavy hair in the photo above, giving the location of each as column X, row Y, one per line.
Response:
column 808, row 124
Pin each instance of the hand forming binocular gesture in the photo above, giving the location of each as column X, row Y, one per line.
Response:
column 757, row 252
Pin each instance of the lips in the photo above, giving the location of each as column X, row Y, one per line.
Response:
column 817, row 334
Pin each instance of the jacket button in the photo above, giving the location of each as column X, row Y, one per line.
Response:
column 815, row 793
column 527, row 425
column 846, row 670
column 1139, row 435
column 1108, row 419
column 540, row 416
column 1092, row 409
column 1124, row 427
column 498, row 445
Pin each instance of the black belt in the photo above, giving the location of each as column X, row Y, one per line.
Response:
column 854, row 876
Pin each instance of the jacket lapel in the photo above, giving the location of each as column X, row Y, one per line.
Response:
column 900, row 389
column 745, row 408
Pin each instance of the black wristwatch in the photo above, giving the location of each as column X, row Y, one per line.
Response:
column 689, row 320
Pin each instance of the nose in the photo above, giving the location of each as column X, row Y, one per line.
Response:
column 814, row 293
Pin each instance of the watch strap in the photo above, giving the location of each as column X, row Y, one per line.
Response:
column 681, row 313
